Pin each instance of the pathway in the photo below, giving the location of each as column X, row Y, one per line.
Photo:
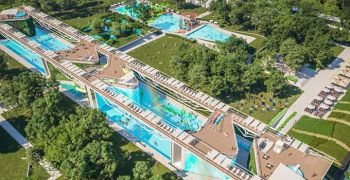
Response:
column 311, row 89
column 342, row 111
column 140, row 42
column 203, row 15
column 342, row 121
column 52, row 171
column 340, row 143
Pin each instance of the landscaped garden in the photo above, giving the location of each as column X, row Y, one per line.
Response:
column 13, row 162
column 336, row 127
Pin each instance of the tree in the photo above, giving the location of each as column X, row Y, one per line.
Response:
column 34, row 155
column 275, row 82
column 3, row 66
column 142, row 170
column 23, row 89
column 124, row 178
column 233, row 44
column 293, row 54
column 97, row 26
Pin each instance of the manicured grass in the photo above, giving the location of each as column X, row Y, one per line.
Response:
column 13, row 67
column 286, row 121
column 260, row 111
column 159, row 52
column 337, row 50
column 12, row 164
column 278, row 116
column 332, row 129
column 56, row 73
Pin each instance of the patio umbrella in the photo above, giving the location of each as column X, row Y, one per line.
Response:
column 326, row 90
column 338, row 89
column 330, row 86
column 324, row 106
column 310, row 106
column 319, row 98
column 328, row 102
column 332, row 98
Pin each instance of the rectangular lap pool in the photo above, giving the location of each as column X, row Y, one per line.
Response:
column 49, row 41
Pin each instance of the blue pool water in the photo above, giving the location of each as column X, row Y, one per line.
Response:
column 196, row 165
column 209, row 33
column 149, row 98
column 71, row 89
column 243, row 151
column 138, row 129
column 48, row 41
column 129, row 12
column 20, row 14
column 27, row 55
column 167, row 22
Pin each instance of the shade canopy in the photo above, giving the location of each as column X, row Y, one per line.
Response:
column 330, row 86
column 311, row 106
column 338, row 89
column 319, row 98
column 326, row 90
column 324, row 106
column 332, row 98
column 328, row 102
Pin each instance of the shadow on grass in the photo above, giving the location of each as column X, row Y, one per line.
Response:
column 289, row 91
column 7, row 144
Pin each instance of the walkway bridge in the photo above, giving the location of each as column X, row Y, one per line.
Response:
column 182, row 138
column 248, row 124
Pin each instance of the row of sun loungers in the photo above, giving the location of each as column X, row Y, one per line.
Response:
column 226, row 163
column 252, row 123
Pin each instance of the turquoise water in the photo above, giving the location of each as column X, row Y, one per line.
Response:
column 139, row 130
column 48, row 41
column 20, row 14
column 129, row 12
column 149, row 98
column 167, row 22
column 71, row 89
column 196, row 165
column 209, row 33
column 27, row 55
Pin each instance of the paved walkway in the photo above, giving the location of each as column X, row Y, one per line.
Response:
column 203, row 15
column 52, row 171
column 139, row 42
column 312, row 88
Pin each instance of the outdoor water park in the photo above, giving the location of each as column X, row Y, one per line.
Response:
column 140, row 100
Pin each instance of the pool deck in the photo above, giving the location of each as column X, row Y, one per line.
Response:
column 84, row 52
column 311, row 164
column 220, row 136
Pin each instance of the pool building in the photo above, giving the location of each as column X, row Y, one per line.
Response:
column 158, row 112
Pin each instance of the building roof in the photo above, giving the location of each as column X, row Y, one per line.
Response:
column 285, row 173
column 9, row 12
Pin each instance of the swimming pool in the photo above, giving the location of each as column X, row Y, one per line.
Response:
column 138, row 129
column 167, row 22
column 244, row 146
column 127, row 11
column 194, row 164
column 150, row 98
column 48, row 41
column 70, row 88
column 27, row 55
column 209, row 33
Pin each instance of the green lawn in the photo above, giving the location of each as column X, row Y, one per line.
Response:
column 12, row 166
column 13, row 66
column 332, row 129
column 251, row 161
column 254, row 102
column 159, row 52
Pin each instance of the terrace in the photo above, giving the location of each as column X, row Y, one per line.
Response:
column 272, row 151
column 83, row 52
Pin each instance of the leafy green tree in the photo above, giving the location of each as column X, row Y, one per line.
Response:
column 124, row 178
column 276, row 82
column 142, row 170
column 97, row 26
column 34, row 155
column 293, row 54
column 3, row 66
column 232, row 45
column 23, row 89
